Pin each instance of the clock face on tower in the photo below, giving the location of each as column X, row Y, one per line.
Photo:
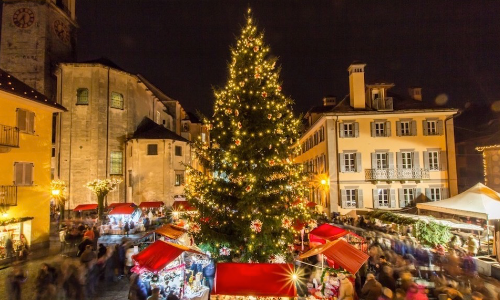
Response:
column 62, row 31
column 23, row 18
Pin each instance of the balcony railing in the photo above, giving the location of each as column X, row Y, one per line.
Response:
column 9, row 136
column 396, row 174
column 8, row 195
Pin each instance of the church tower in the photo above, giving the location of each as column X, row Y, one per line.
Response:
column 36, row 36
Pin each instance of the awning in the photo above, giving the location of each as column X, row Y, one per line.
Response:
column 151, row 204
column 171, row 231
column 159, row 254
column 116, row 204
column 342, row 253
column 182, row 205
column 328, row 232
column 82, row 207
column 258, row 280
column 122, row 210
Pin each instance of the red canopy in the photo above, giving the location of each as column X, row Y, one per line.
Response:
column 151, row 204
column 182, row 205
column 259, row 280
column 342, row 253
column 115, row 204
column 122, row 210
column 328, row 232
column 85, row 207
column 159, row 254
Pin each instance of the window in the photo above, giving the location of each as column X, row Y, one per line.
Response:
column 116, row 163
column 349, row 162
column 23, row 173
column 82, row 96
column 116, row 100
column 433, row 127
column 381, row 160
column 406, row 197
column 152, row 149
column 434, row 194
column 178, row 151
column 433, row 159
column 382, row 199
column 26, row 121
column 405, row 128
column 179, row 178
column 380, row 128
column 322, row 134
column 350, row 198
column 349, row 129
column 407, row 160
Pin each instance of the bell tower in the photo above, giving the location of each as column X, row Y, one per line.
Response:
column 36, row 36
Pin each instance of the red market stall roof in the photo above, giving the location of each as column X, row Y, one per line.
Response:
column 258, row 280
column 342, row 253
column 151, row 204
column 171, row 231
column 122, row 210
column 159, row 254
column 82, row 207
column 182, row 205
column 116, row 204
column 328, row 232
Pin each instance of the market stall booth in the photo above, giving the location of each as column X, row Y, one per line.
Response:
column 254, row 280
column 119, row 214
column 85, row 208
column 15, row 235
column 162, row 265
column 327, row 232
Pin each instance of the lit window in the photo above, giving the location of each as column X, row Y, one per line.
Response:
column 116, row 100
column 152, row 149
column 433, row 160
column 116, row 163
column 82, row 96
column 379, row 128
column 381, row 160
column 408, row 197
column 383, row 197
column 405, row 128
column 178, row 151
column 435, row 194
column 407, row 160
column 348, row 129
column 432, row 128
column 350, row 162
column 350, row 198
column 179, row 178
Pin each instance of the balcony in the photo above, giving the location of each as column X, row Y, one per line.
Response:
column 9, row 136
column 8, row 195
column 396, row 174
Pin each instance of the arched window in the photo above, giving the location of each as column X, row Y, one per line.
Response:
column 82, row 96
column 116, row 100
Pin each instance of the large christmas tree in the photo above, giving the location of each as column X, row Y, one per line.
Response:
column 249, row 198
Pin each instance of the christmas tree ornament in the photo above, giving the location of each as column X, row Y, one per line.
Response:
column 256, row 226
column 277, row 259
column 236, row 112
column 242, row 83
column 194, row 227
column 269, row 116
column 225, row 251
column 239, row 125
column 286, row 222
column 264, row 94
column 237, row 142
column 256, row 48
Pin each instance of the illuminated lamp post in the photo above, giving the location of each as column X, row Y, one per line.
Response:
column 58, row 189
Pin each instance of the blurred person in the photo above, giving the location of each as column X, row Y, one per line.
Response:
column 137, row 289
column 172, row 296
column 88, row 256
column 416, row 292
column 155, row 294
column 83, row 245
column 477, row 296
column 126, row 228
column 97, row 235
column 44, row 283
column 129, row 263
column 386, row 278
column 90, row 234
column 15, row 279
column 399, row 294
column 9, row 247
column 346, row 289
column 386, row 294
column 101, row 251
column 372, row 289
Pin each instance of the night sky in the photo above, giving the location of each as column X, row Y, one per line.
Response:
column 449, row 48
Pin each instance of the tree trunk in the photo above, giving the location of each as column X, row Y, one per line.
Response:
column 100, row 206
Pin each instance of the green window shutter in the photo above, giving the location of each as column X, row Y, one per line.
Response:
column 413, row 128
column 401, row 198
column 21, row 120
column 359, row 166
column 18, row 173
column 375, row 198
column 343, row 196
column 416, row 160
column 425, row 127
column 440, row 127
column 444, row 193
column 399, row 160
column 341, row 130
column 390, row 160
column 342, row 162
column 30, row 120
column 443, row 160
column 398, row 128
column 359, row 198
column 428, row 193
column 426, row 160
column 392, row 197
column 356, row 129
column 374, row 160
column 372, row 126
column 388, row 128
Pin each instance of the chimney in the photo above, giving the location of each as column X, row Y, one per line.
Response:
column 415, row 93
column 329, row 100
column 357, row 85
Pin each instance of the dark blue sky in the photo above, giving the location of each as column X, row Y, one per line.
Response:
column 182, row 46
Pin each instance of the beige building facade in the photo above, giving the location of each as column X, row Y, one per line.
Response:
column 377, row 151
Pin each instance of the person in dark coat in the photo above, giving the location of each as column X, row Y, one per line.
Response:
column 137, row 289
column 386, row 278
column 372, row 288
column 209, row 274
column 44, row 280
column 83, row 245
column 15, row 279
column 126, row 228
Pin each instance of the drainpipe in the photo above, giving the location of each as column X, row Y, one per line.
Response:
column 338, row 161
column 447, row 153
column 107, row 127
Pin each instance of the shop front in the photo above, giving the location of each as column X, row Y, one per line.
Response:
column 15, row 236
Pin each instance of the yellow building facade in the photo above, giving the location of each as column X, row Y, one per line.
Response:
column 375, row 151
column 25, row 155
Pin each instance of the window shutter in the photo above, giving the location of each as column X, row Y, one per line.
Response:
column 387, row 128
column 426, row 127
column 390, row 160
column 418, row 195
column 356, row 129
column 428, row 193
column 416, row 160
column 426, row 160
column 344, row 198
column 413, row 128
column 359, row 198
column 392, row 197
column 440, row 127
column 28, row 173
column 444, row 193
column 443, row 161
column 374, row 160
column 342, row 162
column 375, row 198
column 341, row 130
column 399, row 160
column 21, row 120
column 30, row 126
column 358, row 162
column 372, row 125
column 401, row 197
column 398, row 128
column 18, row 173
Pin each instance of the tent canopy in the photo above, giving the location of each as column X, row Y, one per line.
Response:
column 182, row 205
column 258, row 280
column 122, row 210
column 341, row 252
column 82, row 207
column 151, row 204
column 116, row 204
column 478, row 202
column 171, row 231
column 159, row 254
column 328, row 232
